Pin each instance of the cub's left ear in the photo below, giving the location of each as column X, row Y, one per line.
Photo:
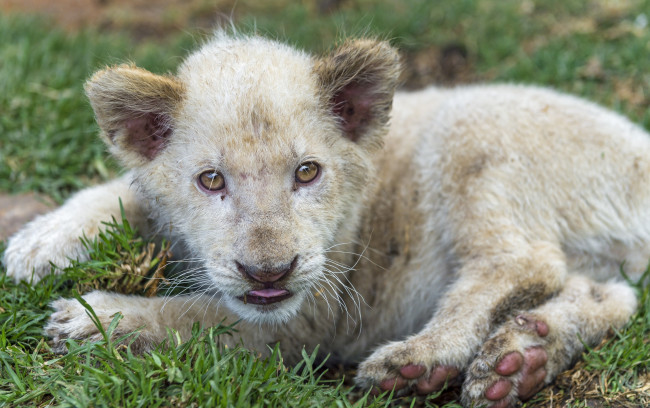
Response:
column 134, row 109
column 358, row 80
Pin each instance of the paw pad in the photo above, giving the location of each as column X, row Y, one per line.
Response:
column 510, row 366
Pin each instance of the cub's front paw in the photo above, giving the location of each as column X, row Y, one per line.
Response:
column 511, row 365
column 70, row 320
column 48, row 238
column 405, row 366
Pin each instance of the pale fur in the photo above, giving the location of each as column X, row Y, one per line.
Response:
column 473, row 205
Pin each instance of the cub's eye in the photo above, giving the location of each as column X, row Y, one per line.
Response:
column 212, row 180
column 307, row 172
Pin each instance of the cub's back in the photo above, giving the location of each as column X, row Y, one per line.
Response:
column 570, row 170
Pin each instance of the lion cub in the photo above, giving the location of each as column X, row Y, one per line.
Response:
column 468, row 227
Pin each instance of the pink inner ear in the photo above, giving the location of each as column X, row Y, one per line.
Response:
column 352, row 104
column 147, row 134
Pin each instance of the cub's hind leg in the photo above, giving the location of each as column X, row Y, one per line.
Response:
column 533, row 347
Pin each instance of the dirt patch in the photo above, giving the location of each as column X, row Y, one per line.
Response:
column 143, row 18
column 16, row 210
column 448, row 65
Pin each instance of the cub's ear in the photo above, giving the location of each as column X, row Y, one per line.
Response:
column 358, row 80
column 134, row 110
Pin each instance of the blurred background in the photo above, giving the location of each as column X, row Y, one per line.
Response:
column 595, row 48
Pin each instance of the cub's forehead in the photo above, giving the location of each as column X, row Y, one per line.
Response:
column 231, row 75
column 250, row 95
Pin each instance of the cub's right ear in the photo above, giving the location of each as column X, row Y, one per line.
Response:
column 134, row 110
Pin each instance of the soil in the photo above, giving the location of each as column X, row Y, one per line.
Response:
column 143, row 18
column 16, row 210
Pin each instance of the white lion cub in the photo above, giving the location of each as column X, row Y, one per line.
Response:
column 468, row 226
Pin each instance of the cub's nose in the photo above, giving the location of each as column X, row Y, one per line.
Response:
column 266, row 274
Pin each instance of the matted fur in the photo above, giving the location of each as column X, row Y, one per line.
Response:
column 467, row 225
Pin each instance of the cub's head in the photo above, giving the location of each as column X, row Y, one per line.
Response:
column 257, row 155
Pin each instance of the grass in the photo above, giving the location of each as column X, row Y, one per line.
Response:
column 48, row 144
column 198, row 372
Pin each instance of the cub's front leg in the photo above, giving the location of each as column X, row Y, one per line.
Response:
column 150, row 317
column 485, row 293
column 54, row 237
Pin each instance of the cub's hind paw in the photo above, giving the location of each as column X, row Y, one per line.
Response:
column 511, row 365
column 398, row 366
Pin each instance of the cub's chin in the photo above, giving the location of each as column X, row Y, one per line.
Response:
column 262, row 309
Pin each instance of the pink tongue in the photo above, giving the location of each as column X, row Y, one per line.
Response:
column 268, row 293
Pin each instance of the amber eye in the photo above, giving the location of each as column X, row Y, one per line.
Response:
column 212, row 180
column 307, row 172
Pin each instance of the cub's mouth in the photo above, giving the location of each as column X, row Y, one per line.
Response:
column 265, row 296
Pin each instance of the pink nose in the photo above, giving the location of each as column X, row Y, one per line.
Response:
column 266, row 274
